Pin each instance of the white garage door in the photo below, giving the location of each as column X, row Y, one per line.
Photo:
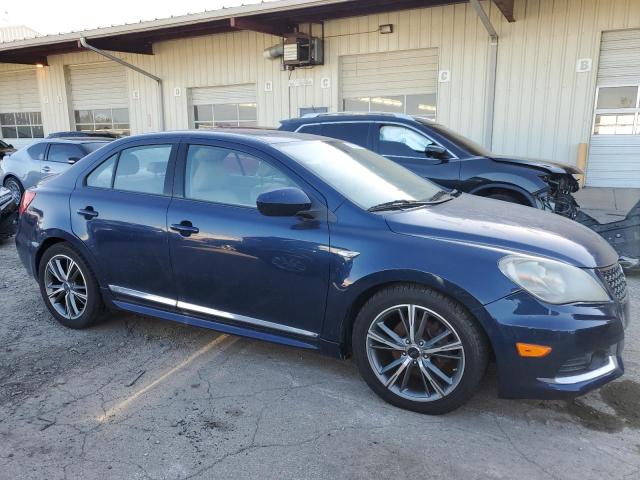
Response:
column 99, row 97
column 20, row 113
column 401, row 82
column 224, row 106
column 614, row 152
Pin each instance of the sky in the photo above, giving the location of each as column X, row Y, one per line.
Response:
column 61, row 16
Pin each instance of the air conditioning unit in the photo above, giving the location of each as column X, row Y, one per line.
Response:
column 300, row 51
column 303, row 49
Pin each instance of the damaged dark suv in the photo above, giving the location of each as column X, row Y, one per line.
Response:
column 449, row 159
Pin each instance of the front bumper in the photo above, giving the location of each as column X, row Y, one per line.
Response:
column 586, row 341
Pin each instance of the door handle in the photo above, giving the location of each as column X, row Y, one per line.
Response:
column 184, row 228
column 87, row 212
column 46, row 169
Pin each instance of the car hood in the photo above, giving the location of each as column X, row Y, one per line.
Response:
column 551, row 167
column 506, row 226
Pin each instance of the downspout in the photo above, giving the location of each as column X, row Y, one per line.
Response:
column 492, row 68
column 83, row 42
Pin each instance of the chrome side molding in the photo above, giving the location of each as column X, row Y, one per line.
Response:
column 210, row 311
column 143, row 295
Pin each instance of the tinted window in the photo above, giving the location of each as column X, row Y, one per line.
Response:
column 92, row 147
column 62, row 152
column 102, row 176
column 402, row 141
column 143, row 169
column 37, row 151
column 221, row 175
column 314, row 128
column 350, row 132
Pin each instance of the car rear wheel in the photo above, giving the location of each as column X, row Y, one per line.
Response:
column 419, row 350
column 69, row 288
column 16, row 189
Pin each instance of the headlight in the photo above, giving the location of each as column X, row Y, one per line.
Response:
column 552, row 281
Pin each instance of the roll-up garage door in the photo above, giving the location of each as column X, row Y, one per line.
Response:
column 614, row 152
column 99, row 96
column 402, row 82
column 228, row 105
column 20, row 111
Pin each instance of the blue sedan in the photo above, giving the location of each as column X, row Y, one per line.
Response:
column 324, row 245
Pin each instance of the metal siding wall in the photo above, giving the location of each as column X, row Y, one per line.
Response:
column 543, row 107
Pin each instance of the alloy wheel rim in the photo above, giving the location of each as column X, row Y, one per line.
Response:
column 15, row 191
column 65, row 286
column 415, row 353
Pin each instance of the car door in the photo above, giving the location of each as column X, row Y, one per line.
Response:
column 234, row 263
column 406, row 146
column 60, row 157
column 119, row 211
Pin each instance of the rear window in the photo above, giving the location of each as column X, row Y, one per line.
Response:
column 92, row 147
column 37, row 151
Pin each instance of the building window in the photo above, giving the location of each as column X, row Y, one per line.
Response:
column 21, row 125
column 225, row 115
column 115, row 120
column 422, row 105
column 617, row 111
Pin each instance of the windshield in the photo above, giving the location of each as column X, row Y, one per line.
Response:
column 92, row 147
column 462, row 142
column 365, row 178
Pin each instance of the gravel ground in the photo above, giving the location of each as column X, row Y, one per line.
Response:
column 141, row 398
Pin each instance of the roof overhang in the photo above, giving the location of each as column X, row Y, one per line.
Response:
column 276, row 18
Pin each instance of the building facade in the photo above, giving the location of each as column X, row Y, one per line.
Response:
column 567, row 79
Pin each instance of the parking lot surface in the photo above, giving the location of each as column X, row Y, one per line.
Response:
column 141, row 398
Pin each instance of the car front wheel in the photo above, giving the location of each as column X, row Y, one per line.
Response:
column 419, row 349
column 69, row 288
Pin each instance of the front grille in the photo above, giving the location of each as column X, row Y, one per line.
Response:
column 614, row 278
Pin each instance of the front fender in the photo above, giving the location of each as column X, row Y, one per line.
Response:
column 477, row 174
column 506, row 187
column 366, row 286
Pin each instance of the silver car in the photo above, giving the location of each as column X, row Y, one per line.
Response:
column 51, row 156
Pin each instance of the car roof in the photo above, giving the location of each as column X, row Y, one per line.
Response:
column 258, row 135
column 351, row 116
column 76, row 140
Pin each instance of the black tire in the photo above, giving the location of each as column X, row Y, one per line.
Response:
column 475, row 351
column 15, row 187
column 93, row 308
column 505, row 197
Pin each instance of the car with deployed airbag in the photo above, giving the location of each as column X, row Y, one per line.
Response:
column 324, row 245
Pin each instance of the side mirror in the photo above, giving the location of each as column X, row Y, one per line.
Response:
column 10, row 145
column 435, row 151
column 72, row 160
column 283, row 202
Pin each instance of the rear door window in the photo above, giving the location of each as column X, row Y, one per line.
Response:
column 63, row 152
column 143, row 169
column 357, row 132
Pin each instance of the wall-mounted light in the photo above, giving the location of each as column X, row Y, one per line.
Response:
column 39, row 65
column 384, row 29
